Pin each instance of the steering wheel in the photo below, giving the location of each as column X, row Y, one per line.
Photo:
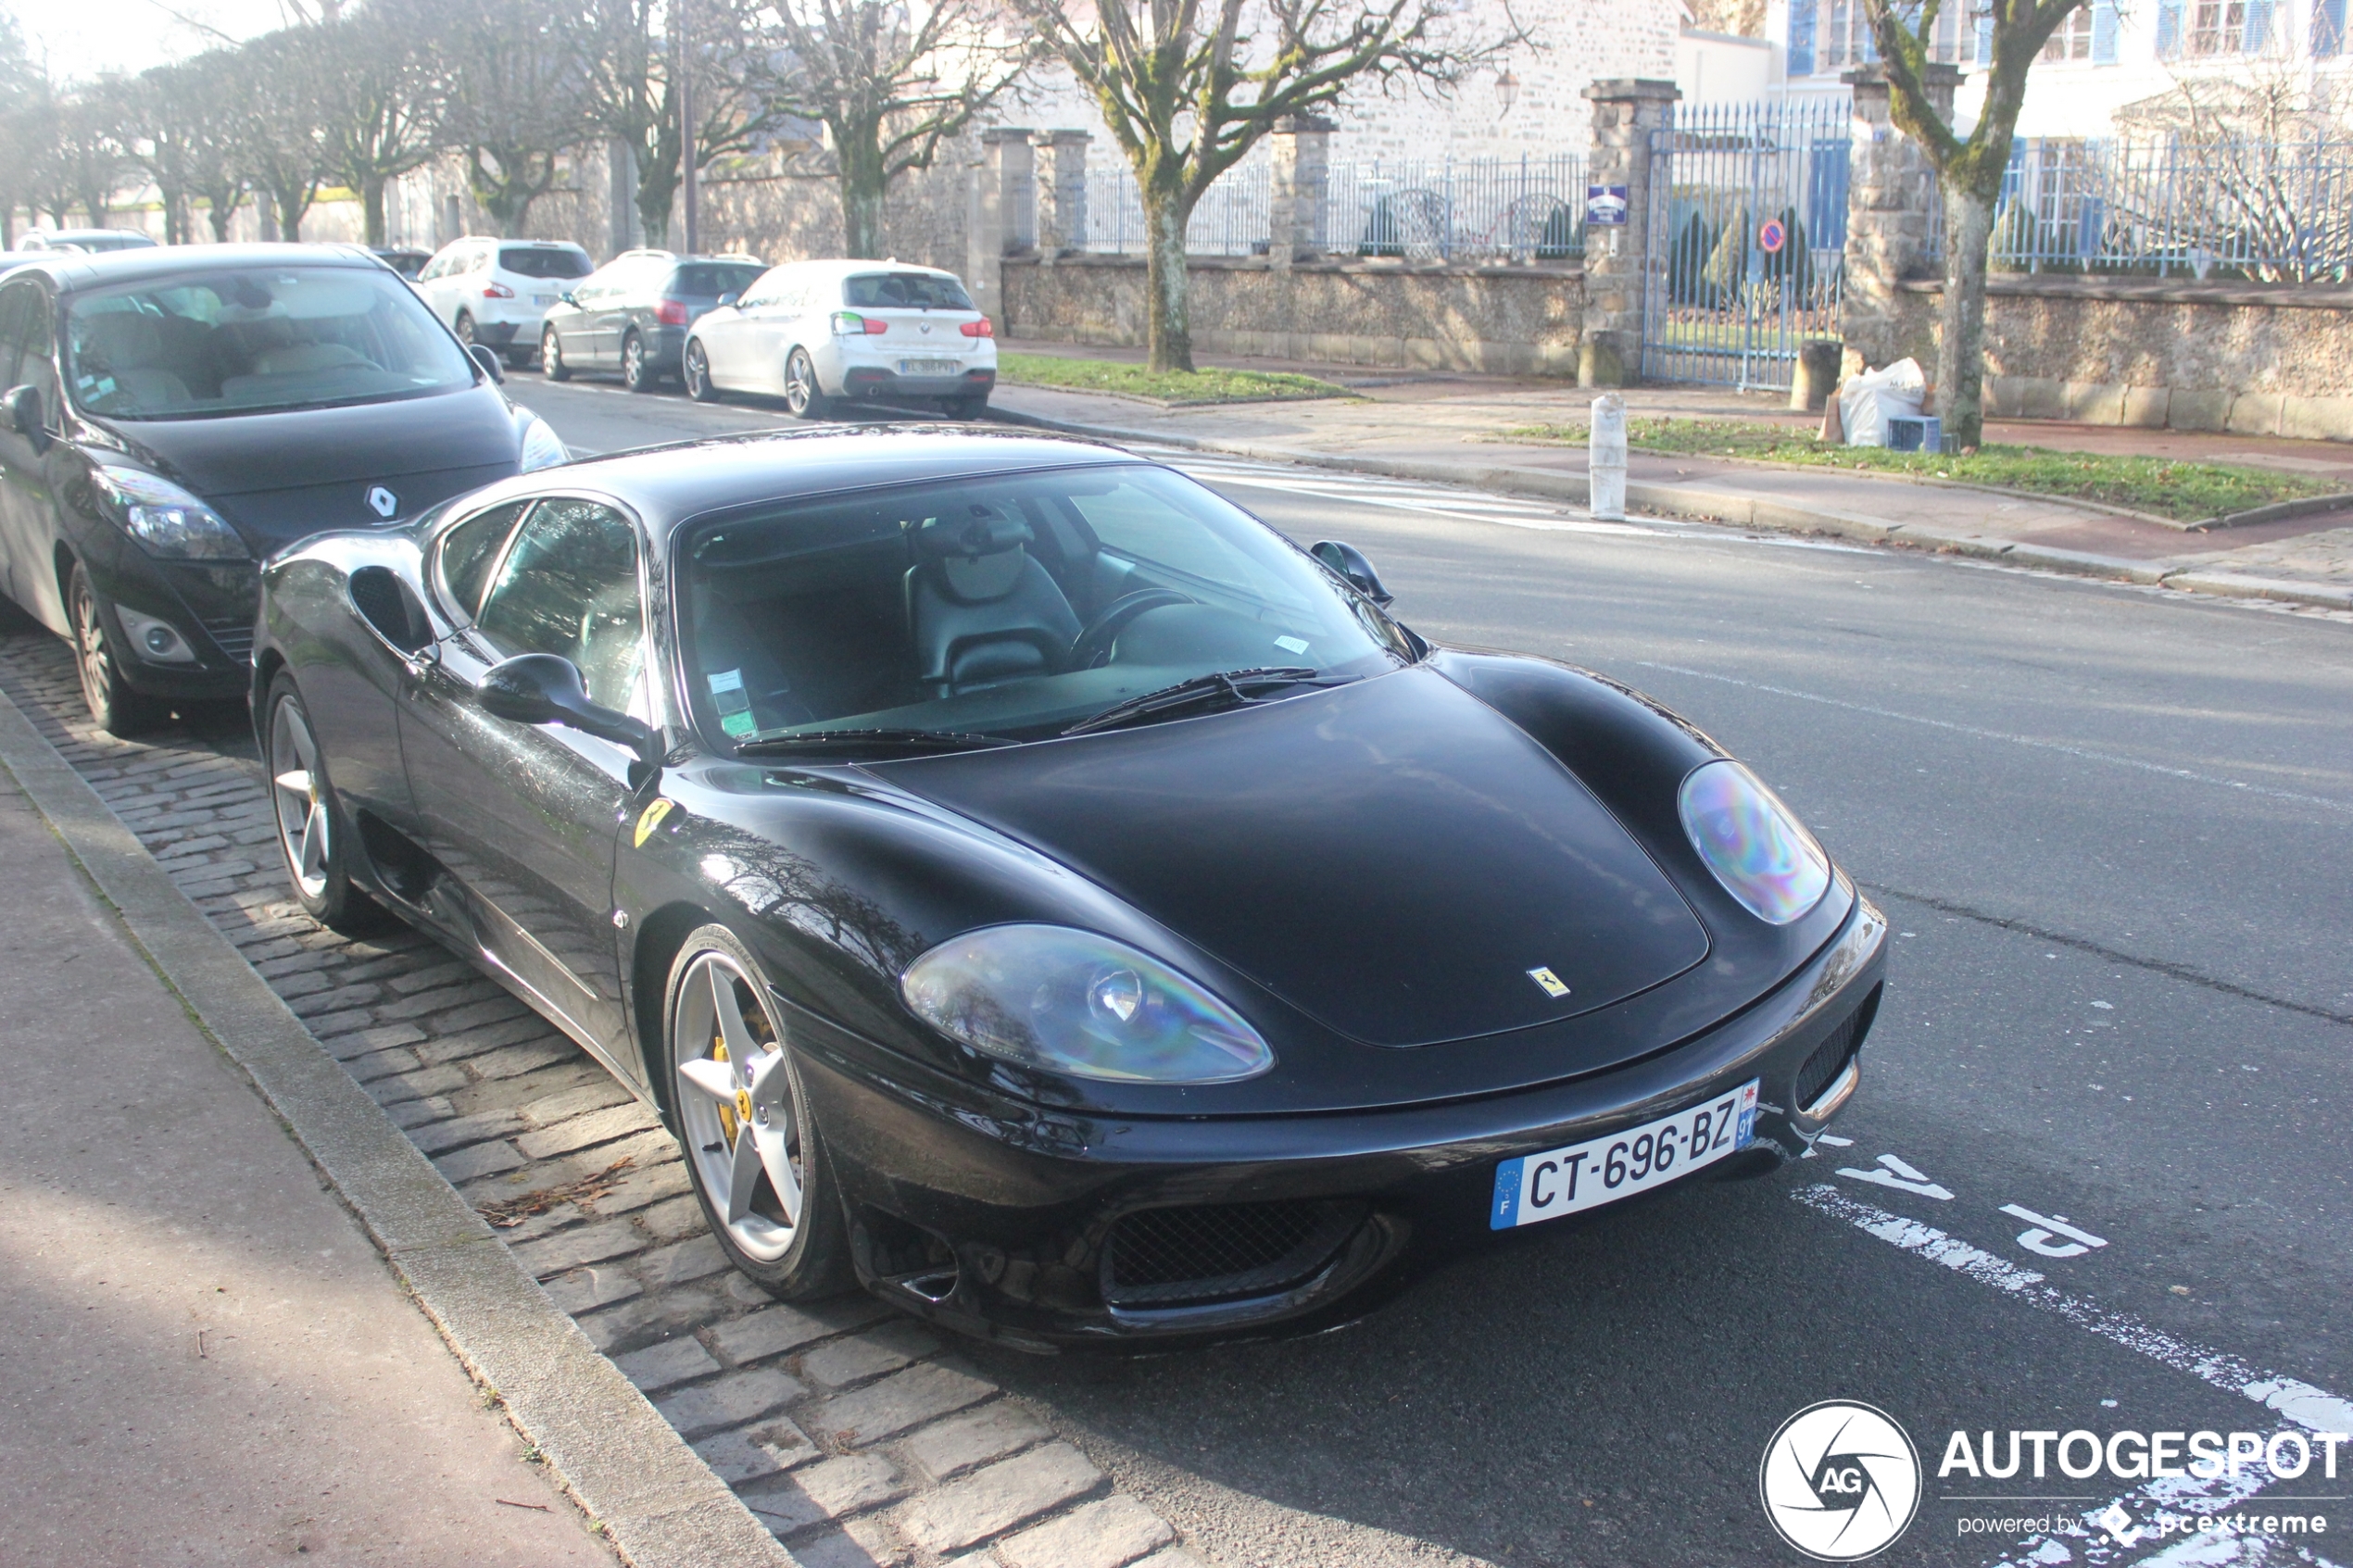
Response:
column 1092, row 646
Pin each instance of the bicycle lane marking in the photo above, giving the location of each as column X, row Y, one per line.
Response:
column 2301, row 1403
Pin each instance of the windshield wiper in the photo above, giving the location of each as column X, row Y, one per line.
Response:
column 1224, row 688
column 901, row 740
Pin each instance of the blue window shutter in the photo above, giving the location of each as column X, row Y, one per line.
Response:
column 2259, row 27
column 1801, row 36
column 2328, row 28
column 2169, row 30
column 1985, row 41
column 2104, row 32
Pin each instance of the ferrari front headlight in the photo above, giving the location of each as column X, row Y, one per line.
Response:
column 542, row 448
column 1751, row 841
column 1070, row 1001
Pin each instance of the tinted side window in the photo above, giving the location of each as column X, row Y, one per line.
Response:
column 569, row 586
column 471, row 549
column 531, row 261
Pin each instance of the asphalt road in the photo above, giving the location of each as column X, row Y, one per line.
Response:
column 2111, row 828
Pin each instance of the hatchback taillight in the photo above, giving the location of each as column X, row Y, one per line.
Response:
column 671, row 312
column 497, row 291
column 982, row 328
column 849, row 323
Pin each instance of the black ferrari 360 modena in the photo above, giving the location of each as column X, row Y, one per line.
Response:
column 1030, row 887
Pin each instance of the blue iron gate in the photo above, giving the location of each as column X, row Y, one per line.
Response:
column 1747, row 237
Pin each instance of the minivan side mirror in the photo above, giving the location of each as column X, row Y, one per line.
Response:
column 482, row 355
column 1353, row 569
column 543, row 688
column 25, row 415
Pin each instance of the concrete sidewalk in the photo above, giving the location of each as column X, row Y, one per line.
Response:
column 208, row 1359
column 1447, row 428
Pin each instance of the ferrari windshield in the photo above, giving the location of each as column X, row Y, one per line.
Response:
column 252, row 339
column 1006, row 607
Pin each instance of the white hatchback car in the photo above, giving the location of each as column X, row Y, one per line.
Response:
column 497, row 292
column 816, row 332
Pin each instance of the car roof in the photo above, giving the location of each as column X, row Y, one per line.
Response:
column 672, row 484
column 849, row 269
column 75, row 270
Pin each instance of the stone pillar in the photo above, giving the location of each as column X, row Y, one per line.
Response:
column 1003, row 216
column 1061, row 192
column 1892, row 197
column 1628, row 117
column 1298, row 205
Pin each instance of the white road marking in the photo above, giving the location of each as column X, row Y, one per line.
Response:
column 2042, row 1238
column 1900, row 1177
column 2083, row 752
column 2315, row 1410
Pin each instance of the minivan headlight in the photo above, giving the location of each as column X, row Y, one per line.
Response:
column 1751, row 841
column 1072, row 1002
column 166, row 521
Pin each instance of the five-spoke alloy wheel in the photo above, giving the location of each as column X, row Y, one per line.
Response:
column 695, row 367
column 803, row 394
column 116, row 707
column 751, row 1145
column 312, row 827
column 551, row 356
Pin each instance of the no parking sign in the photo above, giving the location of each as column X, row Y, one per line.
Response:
column 1772, row 235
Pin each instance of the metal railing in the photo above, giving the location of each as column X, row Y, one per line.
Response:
column 1522, row 209
column 2230, row 207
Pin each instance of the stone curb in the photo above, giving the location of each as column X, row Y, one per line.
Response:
column 1694, row 503
column 659, row 1503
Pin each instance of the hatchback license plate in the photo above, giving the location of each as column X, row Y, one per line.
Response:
column 931, row 367
column 1535, row 1188
column 543, row 299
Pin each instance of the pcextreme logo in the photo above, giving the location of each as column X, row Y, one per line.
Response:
column 1840, row 1481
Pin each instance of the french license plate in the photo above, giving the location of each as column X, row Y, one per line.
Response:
column 931, row 367
column 1585, row 1175
column 543, row 299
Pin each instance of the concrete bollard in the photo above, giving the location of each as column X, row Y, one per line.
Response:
column 1605, row 459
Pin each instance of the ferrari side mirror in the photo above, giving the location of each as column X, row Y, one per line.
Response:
column 25, row 415
column 541, row 688
column 482, row 356
column 567, row 297
column 1353, row 569
column 725, row 300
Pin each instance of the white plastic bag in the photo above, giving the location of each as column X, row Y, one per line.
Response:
column 1866, row 402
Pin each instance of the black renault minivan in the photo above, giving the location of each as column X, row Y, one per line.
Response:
column 172, row 416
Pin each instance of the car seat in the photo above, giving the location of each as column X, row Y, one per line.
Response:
column 980, row 609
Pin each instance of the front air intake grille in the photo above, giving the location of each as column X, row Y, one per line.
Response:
column 1838, row 1048
column 1222, row 1251
column 233, row 637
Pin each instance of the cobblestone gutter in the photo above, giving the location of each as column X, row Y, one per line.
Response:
column 853, row 1433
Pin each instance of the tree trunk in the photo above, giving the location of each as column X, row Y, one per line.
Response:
column 371, row 200
column 1169, row 331
column 264, row 205
column 220, row 214
column 861, row 181
column 1960, row 347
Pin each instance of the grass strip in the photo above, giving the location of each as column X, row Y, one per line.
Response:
column 1168, row 386
column 2186, row 491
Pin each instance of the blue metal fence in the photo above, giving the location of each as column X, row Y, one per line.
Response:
column 2274, row 212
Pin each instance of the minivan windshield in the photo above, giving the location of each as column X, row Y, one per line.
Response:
column 538, row 261
column 255, row 340
column 1003, row 608
column 911, row 291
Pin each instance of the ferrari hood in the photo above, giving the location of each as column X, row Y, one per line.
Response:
column 1393, row 858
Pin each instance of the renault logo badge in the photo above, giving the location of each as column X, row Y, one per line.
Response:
column 1550, row 982
column 383, row 502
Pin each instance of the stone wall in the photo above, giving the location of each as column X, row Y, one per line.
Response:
column 2248, row 359
column 1520, row 320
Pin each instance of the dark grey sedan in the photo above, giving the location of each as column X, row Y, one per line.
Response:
column 631, row 315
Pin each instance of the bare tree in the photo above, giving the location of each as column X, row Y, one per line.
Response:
column 890, row 81
column 516, row 101
column 96, row 158
column 160, row 118
column 628, row 52
column 215, row 172
column 1968, row 171
column 1188, row 86
column 20, row 125
column 381, row 90
column 280, row 135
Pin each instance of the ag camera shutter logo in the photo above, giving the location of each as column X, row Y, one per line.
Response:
column 1840, row 1481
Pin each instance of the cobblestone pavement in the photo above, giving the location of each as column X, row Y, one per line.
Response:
column 852, row 1431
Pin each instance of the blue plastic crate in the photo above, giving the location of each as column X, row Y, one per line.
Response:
column 1915, row 433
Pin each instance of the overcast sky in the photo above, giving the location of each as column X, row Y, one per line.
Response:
column 83, row 38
